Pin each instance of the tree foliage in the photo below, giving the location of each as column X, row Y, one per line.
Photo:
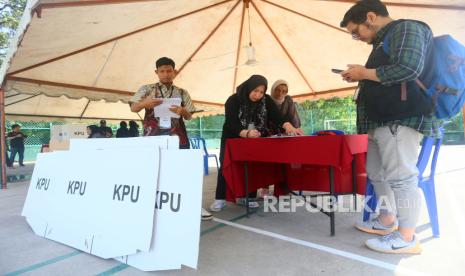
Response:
column 10, row 15
column 335, row 113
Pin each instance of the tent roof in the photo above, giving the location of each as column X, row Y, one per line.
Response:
column 105, row 50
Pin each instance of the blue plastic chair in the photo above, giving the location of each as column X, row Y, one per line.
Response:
column 324, row 132
column 199, row 143
column 425, row 183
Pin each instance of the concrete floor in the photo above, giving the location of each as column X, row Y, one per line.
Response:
column 271, row 243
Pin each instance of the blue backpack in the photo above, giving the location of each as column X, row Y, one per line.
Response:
column 447, row 86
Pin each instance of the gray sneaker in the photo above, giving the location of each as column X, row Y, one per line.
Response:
column 394, row 243
column 375, row 227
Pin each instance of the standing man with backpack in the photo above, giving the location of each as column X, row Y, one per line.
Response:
column 395, row 113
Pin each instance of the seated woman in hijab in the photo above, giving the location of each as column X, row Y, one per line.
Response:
column 285, row 105
column 287, row 109
column 247, row 114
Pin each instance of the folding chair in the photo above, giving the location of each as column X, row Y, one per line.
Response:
column 425, row 183
column 199, row 143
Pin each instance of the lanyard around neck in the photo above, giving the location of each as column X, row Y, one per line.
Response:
column 170, row 90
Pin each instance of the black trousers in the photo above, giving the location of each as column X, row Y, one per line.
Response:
column 221, row 182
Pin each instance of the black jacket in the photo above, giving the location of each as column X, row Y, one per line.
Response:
column 385, row 103
column 17, row 142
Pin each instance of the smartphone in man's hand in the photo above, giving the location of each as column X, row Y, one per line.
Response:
column 337, row 71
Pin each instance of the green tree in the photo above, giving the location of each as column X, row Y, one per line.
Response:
column 334, row 113
column 10, row 15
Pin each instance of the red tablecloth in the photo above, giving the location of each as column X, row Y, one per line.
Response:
column 307, row 160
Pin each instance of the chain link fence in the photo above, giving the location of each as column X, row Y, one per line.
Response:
column 210, row 127
column 38, row 134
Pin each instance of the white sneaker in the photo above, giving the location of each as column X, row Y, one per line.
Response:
column 252, row 204
column 218, row 205
column 394, row 243
column 206, row 215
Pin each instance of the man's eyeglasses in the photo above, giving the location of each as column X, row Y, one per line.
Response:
column 356, row 32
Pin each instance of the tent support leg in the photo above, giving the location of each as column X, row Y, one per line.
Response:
column 2, row 140
column 463, row 120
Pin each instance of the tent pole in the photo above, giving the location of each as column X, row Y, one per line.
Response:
column 84, row 110
column 189, row 59
column 238, row 52
column 114, row 38
column 463, row 119
column 2, row 139
column 284, row 48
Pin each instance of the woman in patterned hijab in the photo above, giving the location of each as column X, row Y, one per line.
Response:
column 284, row 103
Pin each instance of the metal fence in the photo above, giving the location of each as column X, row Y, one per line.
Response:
column 210, row 129
column 38, row 133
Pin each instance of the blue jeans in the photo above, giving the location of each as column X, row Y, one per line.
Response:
column 20, row 152
column 7, row 158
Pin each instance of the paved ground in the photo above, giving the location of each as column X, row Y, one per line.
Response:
column 264, row 244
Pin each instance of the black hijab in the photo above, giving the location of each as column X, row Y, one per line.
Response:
column 249, row 111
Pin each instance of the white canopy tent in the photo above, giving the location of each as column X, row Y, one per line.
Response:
column 105, row 50
column 84, row 59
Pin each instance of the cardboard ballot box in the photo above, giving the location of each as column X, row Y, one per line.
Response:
column 67, row 132
column 120, row 200
column 60, row 135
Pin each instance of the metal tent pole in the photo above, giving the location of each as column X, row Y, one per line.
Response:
column 2, row 140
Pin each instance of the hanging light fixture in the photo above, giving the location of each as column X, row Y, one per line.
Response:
column 251, row 59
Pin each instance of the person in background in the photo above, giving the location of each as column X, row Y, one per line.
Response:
column 284, row 103
column 108, row 133
column 133, row 129
column 94, row 132
column 248, row 113
column 105, row 130
column 122, row 131
column 7, row 157
column 16, row 138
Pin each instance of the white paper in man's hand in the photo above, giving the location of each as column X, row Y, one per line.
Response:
column 163, row 110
